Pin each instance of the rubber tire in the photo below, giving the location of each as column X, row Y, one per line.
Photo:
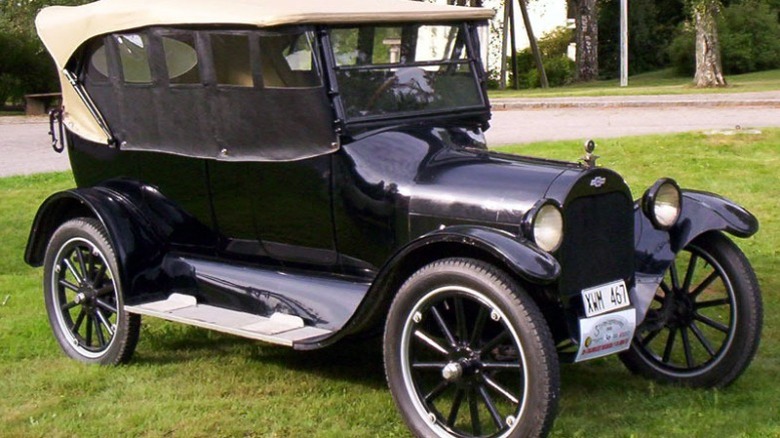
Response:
column 521, row 311
column 732, row 362
column 123, row 343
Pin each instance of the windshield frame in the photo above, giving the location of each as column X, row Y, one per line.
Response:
column 472, row 59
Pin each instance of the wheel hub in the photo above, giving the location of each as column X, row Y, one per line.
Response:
column 682, row 310
column 452, row 372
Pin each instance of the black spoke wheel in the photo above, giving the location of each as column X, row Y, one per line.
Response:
column 468, row 354
column 704, row 325
column 83, row 295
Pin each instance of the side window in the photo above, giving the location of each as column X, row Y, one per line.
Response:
column 96, row 67
column 134, row 57
column 287, row 61
column 232, row 59
column 181, row 59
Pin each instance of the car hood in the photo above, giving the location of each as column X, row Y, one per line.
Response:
column 448, row 175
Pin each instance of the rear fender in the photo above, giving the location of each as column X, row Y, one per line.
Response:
column 139, row 222
column 701, row 213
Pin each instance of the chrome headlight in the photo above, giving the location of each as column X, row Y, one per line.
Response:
column 543, row 224
column 662, row 203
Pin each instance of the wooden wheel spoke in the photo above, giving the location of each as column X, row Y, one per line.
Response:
column 67, row 306
column 495, row 341
column 69, row 285
column 501, row 390
column 103, row 320
column 430, row 342
column 712, row 323
column 669, row 345
column 79, row 321
column 98, row 331
column 702, row 339
column 443, row 326
column 689, row 273
column 675, row 276
column 88, row 339
column 437, row 391
column 476, row 425
column 460, row 320
column 491, row 407
column 429, row 365
column 705, row 284
column 650, row 336
column 455, row 407
column 687, row 347
column 99, row 275
column 105, row 306
column 105, row 290
column 665, row 287
column 82, row 263
column 502, row 365
column 479, row 325
column 72, row 270
column 712, row 303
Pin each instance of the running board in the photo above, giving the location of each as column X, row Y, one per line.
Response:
column 279, row 329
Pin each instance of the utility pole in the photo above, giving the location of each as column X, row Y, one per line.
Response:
column 623, row 43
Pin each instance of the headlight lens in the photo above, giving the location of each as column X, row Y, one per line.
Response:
column 662, row 203
column 548, row 227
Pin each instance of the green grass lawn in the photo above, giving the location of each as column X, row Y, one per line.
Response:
column 658, row 82
column 190, row 382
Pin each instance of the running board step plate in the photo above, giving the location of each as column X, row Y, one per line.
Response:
column 279, row 328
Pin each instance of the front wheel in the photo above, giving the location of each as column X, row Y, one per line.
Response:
column 704, row 325
column 83, row 295
column 468, row 354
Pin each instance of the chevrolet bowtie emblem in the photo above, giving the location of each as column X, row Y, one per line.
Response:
column 598, row 181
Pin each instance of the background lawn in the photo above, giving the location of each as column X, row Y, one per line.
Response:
column 665, row 81
column 190, row 382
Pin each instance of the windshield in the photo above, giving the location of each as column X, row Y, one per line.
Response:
column 391, row 70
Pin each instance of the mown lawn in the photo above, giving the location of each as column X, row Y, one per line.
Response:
column 665, row 81
column 190, row 382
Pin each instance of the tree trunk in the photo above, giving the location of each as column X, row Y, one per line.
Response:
column 709, row 72
column 586, row 36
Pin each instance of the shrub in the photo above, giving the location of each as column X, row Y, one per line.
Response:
column 682, row 50
column 559, row 69
column 751, row 37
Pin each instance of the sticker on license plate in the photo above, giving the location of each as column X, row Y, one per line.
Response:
column 605, row 298
column 606, row 334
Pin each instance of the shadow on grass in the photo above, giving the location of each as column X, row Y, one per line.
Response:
column 356, row 361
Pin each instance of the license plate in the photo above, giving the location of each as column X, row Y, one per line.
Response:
column 605, row 298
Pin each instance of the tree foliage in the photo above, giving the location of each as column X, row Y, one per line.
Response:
column 25, row 67
column 750, row 39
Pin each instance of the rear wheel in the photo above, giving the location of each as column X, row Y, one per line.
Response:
column 83, row 295
column 704, row 325
column 468, row 354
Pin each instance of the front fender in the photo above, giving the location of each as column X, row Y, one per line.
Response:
column 702, row 212
column 524, row 259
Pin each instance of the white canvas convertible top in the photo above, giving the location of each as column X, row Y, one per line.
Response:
column 64, row 29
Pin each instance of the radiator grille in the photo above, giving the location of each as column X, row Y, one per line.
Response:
column 598, row 244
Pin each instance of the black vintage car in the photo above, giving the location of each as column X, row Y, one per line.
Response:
column 304, row 172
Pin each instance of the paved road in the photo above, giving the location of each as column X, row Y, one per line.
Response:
column 25, row 148
column 524, row 126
